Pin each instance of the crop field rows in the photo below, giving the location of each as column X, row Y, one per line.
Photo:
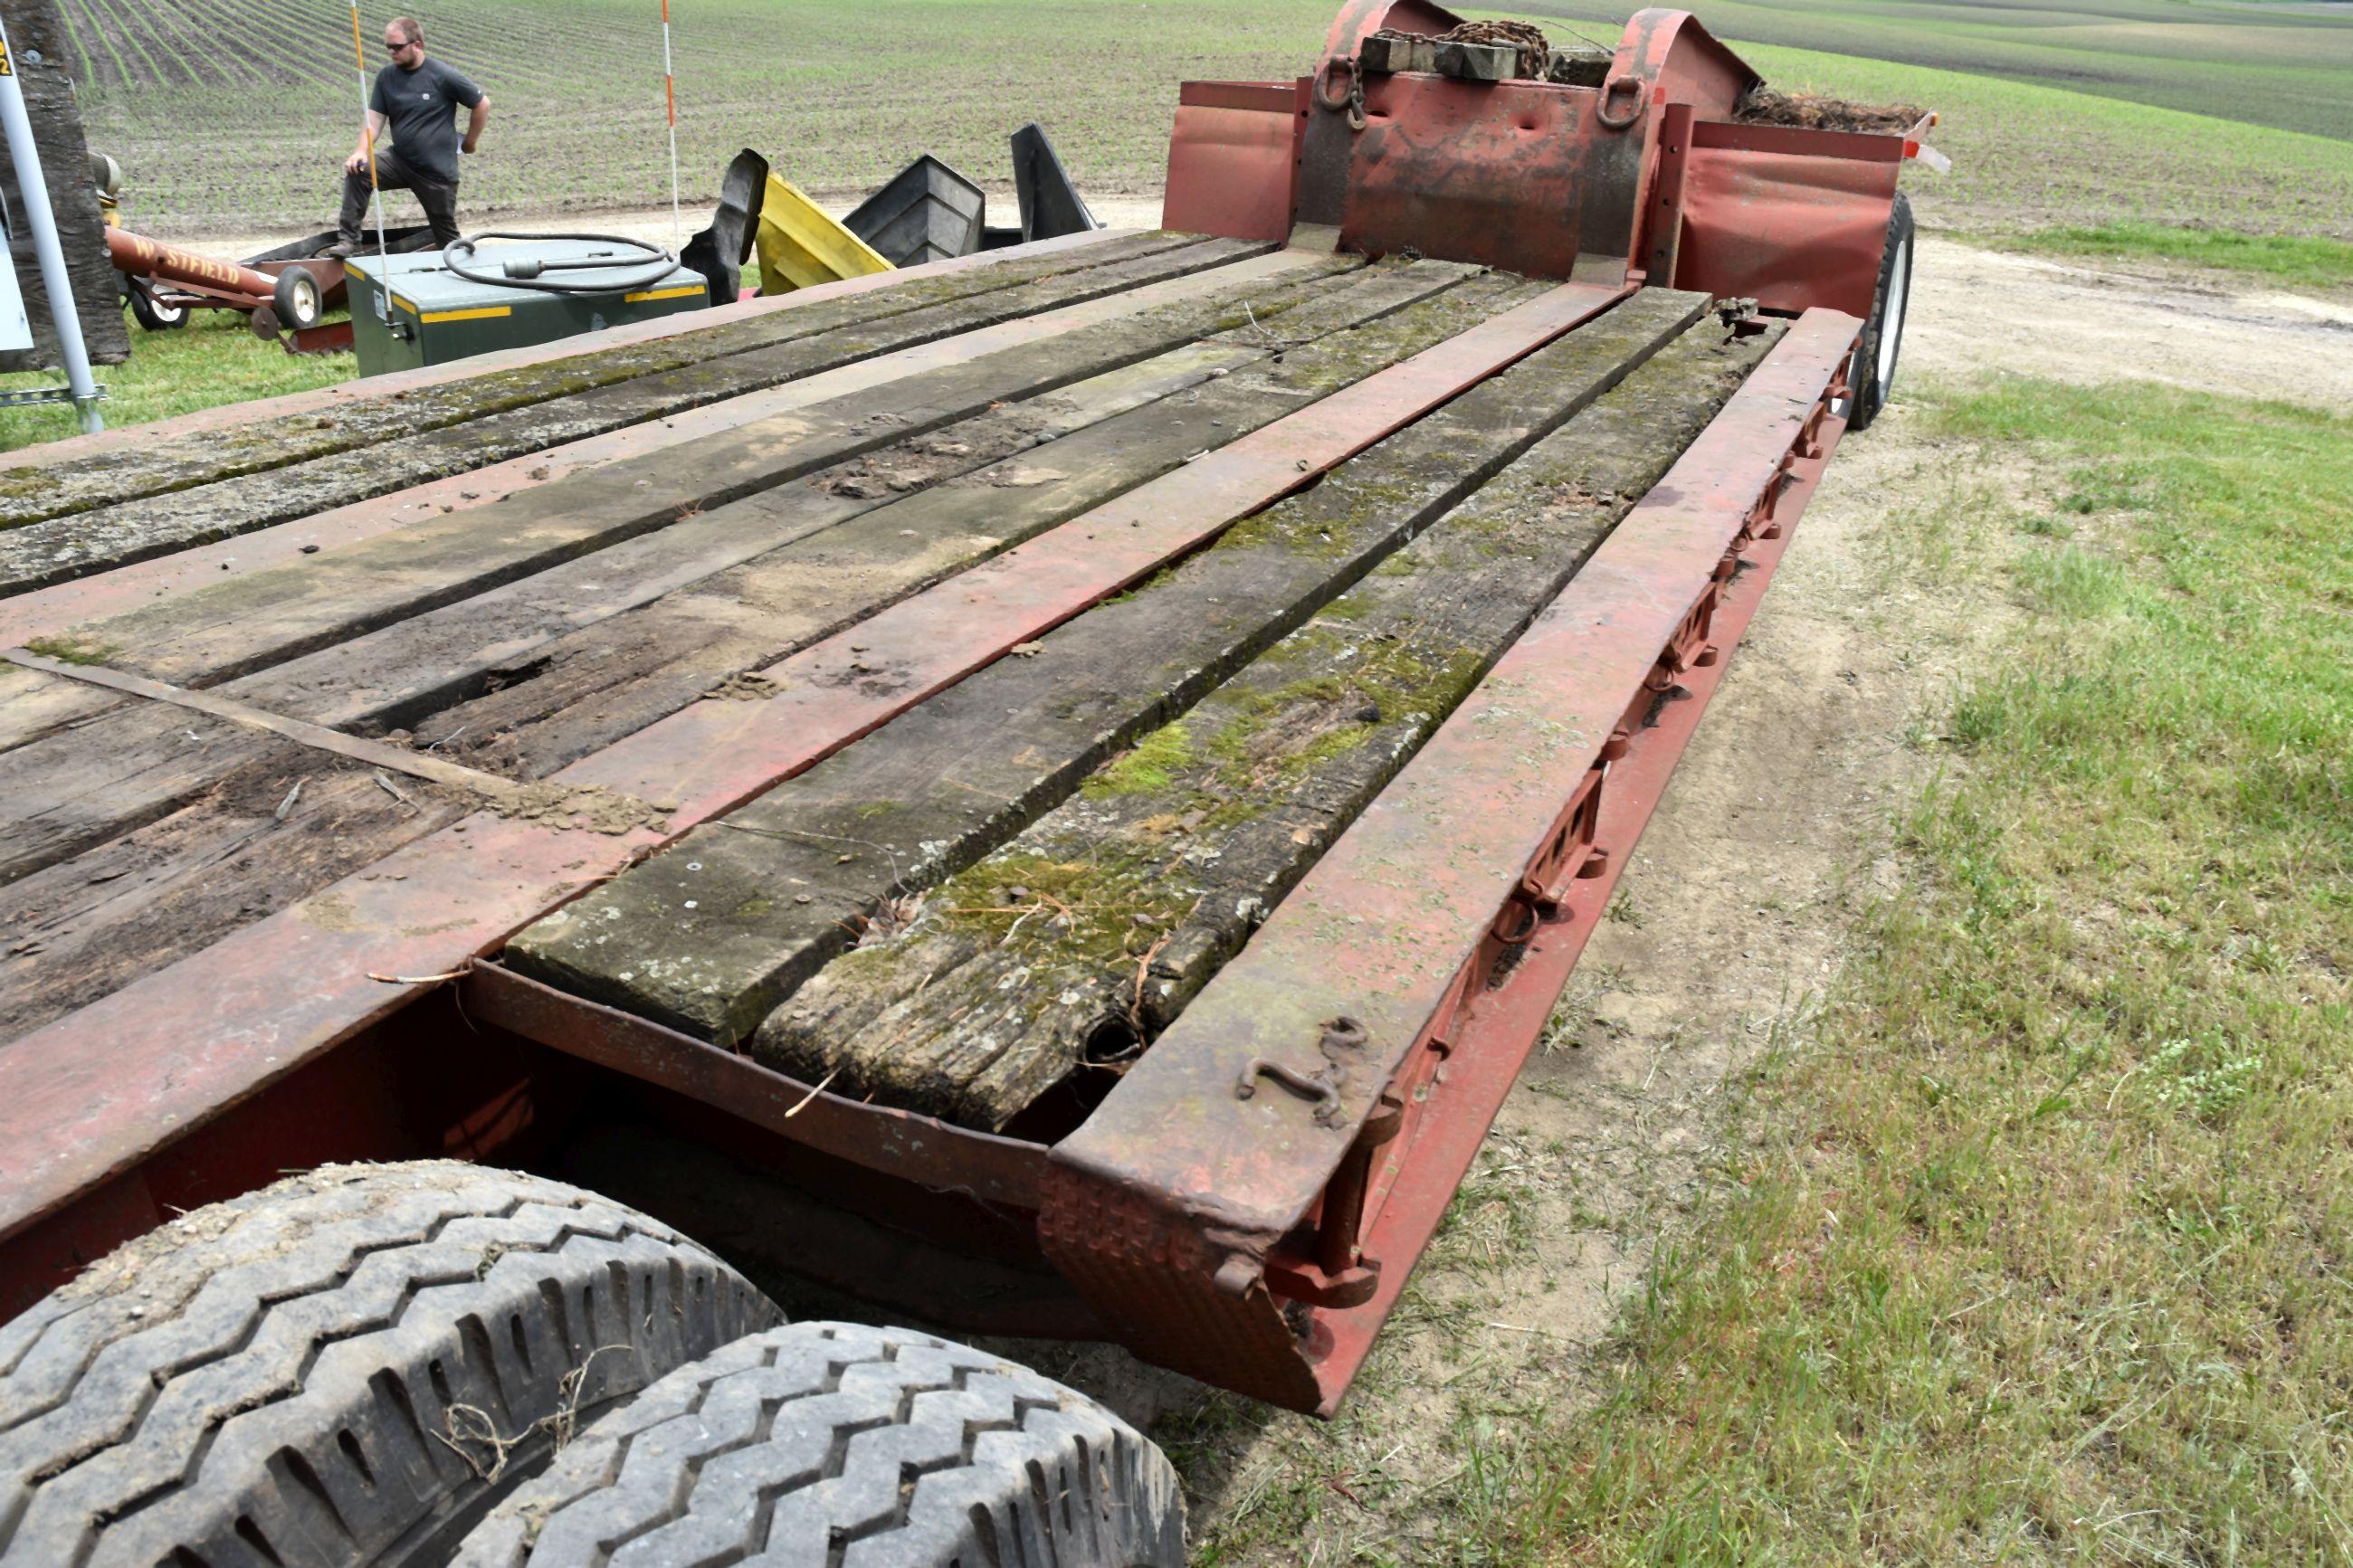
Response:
column 2285, row 65
column 235, row 117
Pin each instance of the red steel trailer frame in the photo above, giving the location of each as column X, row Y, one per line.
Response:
column 1247, row 1203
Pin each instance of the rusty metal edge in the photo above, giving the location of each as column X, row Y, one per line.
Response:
column 932, row 1154
column 1504, row 1026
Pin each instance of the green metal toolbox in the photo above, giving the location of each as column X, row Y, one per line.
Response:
column 410, row 310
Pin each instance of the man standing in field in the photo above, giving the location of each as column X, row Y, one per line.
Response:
column 419, row 99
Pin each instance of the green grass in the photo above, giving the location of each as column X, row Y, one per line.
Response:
column 2297, row 260
column 211, row 361
column 2037, row 1250
column 249, row 131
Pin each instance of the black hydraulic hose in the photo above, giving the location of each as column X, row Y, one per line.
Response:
column 533, row 274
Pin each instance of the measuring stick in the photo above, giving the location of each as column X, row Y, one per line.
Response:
column 368, row 133
column 670, row 104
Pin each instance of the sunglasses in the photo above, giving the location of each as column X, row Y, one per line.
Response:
column 396, row 48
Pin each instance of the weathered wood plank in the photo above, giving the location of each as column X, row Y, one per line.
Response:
column 62, row 793
column 397, row 675
column 713, row 933
column 265, row 617
column 377, row 678
column 291, row 601
column 586, row 690
column 80, row 931
column 38, row 554
column 128, row 473
column 103, row 777
column 1076, row 943
column 33, row 704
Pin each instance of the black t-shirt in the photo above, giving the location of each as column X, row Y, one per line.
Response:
column 423, row 107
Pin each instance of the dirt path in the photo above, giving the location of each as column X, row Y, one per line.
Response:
column 1734, row 914
column 1984, row 310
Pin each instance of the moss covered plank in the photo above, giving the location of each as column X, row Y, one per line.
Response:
column 713, row 933
column 52, row 551
column 1069, row 949
column 63, row 793
column 36, row 492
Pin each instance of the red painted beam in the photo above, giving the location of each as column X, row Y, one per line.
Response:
column 1499, row 1028
column 1357, row 968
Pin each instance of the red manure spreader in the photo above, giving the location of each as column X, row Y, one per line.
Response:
column 1049, row 793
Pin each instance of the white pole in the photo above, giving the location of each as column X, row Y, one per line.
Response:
column 43, row 221
column 367, row 139
column 670, row 104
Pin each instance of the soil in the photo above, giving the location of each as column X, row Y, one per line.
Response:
column 1734, row 915
column 1765, row 106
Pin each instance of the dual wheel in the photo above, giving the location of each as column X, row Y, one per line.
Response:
column 438, row 1363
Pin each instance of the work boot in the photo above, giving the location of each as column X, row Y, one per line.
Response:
column 340, row 249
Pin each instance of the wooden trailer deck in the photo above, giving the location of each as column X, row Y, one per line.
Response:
column 922, row 690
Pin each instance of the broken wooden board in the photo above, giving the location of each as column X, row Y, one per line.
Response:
column 1065, row 952
column 710, row 935
column 33, row 492
column 38, row 554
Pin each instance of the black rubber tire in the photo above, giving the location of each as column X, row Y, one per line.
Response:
column 837, row 1444
column 152, row 316
column 1882, row 333
column 297, row 299
column 313, row 1374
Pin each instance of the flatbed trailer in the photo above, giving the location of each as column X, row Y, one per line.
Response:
column 1060, row 788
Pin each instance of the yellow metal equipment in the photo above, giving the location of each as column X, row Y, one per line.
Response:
column 800, row 245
